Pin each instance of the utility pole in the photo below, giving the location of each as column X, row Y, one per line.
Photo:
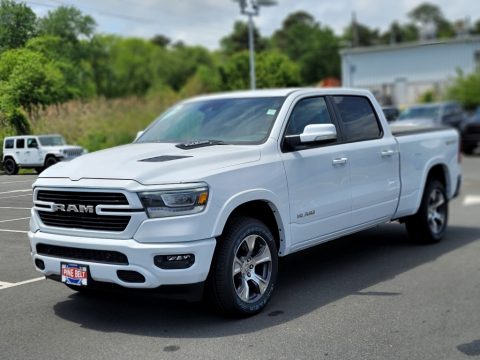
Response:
column 251, row 8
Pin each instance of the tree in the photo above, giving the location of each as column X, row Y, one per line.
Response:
column 273, row 70
column 27, row 80
column 398, row 33
column 181, row 62
column 238, row 40
column 161, row 40
column 427, row 13
column 476, row 27
column 71, row 60
column 205, row 80
column 68, row 23
column 365, row 35
column 313, row 47
column 17, row 24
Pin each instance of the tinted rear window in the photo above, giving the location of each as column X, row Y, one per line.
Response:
column 20, row 143
column 358, row 118
column 9, row 144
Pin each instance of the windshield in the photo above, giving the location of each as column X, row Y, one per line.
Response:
column 425, row 112
column 55, row 140
column 232, row 121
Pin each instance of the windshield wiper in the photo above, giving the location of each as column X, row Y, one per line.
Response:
column 199, row 143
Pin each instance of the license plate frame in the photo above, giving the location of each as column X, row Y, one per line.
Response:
column 74, row 274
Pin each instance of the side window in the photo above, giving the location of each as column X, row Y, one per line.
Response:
column 306, row 112
column 9, row 144
column 358, row 118
column 32, row 143
column 20, row 144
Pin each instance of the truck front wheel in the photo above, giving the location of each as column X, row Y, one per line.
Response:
column 428, row 225
column 10, row 166
column 51, row 160
column 244, row 269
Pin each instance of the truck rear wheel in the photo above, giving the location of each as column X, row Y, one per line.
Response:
column 428, row 225
column 10, row 166
column 244, row 269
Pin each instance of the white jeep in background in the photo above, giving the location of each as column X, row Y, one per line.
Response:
column 36, row 151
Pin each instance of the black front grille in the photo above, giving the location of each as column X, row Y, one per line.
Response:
column 100, row 256
column 83, row 220
column 82, row 198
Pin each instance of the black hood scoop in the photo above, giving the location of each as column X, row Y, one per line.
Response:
column 164, row 158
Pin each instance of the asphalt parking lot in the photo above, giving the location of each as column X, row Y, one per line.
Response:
column 373, row 295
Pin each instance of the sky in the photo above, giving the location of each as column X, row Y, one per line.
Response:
column 205, row 22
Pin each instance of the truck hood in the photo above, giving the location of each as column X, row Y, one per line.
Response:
column 153, row 163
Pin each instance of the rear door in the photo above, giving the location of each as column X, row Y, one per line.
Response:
column 20, row 151
column 374, row 160
column 318, row 177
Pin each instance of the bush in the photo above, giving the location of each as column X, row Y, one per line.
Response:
column 466, row 90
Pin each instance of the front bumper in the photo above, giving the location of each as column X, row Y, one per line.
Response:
column 140, row 259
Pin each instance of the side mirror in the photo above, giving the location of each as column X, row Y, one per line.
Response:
column 318, row 132
column 314, row 133
column 140, row 133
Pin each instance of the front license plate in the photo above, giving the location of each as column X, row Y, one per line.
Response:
column 74, row 274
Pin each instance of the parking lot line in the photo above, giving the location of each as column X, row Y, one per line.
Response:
column 15, row 231
column 6, row 285
column 24, row 218
column 14, row 191
column 14, row 208
column 15, row 196
column 471, row 200
column 14, row 182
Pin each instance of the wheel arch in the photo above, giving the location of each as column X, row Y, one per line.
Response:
column 9, row 156
column 262, row 208
column 50, row 155
column 438, row 171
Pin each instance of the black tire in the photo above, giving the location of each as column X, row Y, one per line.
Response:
column 10, row 166
column 429, row 224
column 49, row 161
column 468, row 150
column 224, row 284
column 39, row 170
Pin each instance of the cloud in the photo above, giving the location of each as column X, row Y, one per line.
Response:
column 204, row 22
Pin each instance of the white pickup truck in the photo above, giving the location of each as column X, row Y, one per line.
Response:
column 219, row 187
column 37, row 152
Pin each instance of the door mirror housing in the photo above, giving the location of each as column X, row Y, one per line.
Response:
column 140, row 133
column 312, row 134
column 318, row 132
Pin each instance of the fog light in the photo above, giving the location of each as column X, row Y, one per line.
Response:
column 180, row 261
column 40, row 264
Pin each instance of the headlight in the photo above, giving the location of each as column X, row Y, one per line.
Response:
column 174, row 202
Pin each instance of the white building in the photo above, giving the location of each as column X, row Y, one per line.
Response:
column 399, row 74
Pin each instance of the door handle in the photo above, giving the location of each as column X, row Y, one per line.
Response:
column 339, row 161
column 387, row 153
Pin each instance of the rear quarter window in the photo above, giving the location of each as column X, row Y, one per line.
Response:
column 358, row 118
column 9, row 144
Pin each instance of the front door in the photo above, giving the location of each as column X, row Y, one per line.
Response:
column 32, row 154
column 318, row 178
